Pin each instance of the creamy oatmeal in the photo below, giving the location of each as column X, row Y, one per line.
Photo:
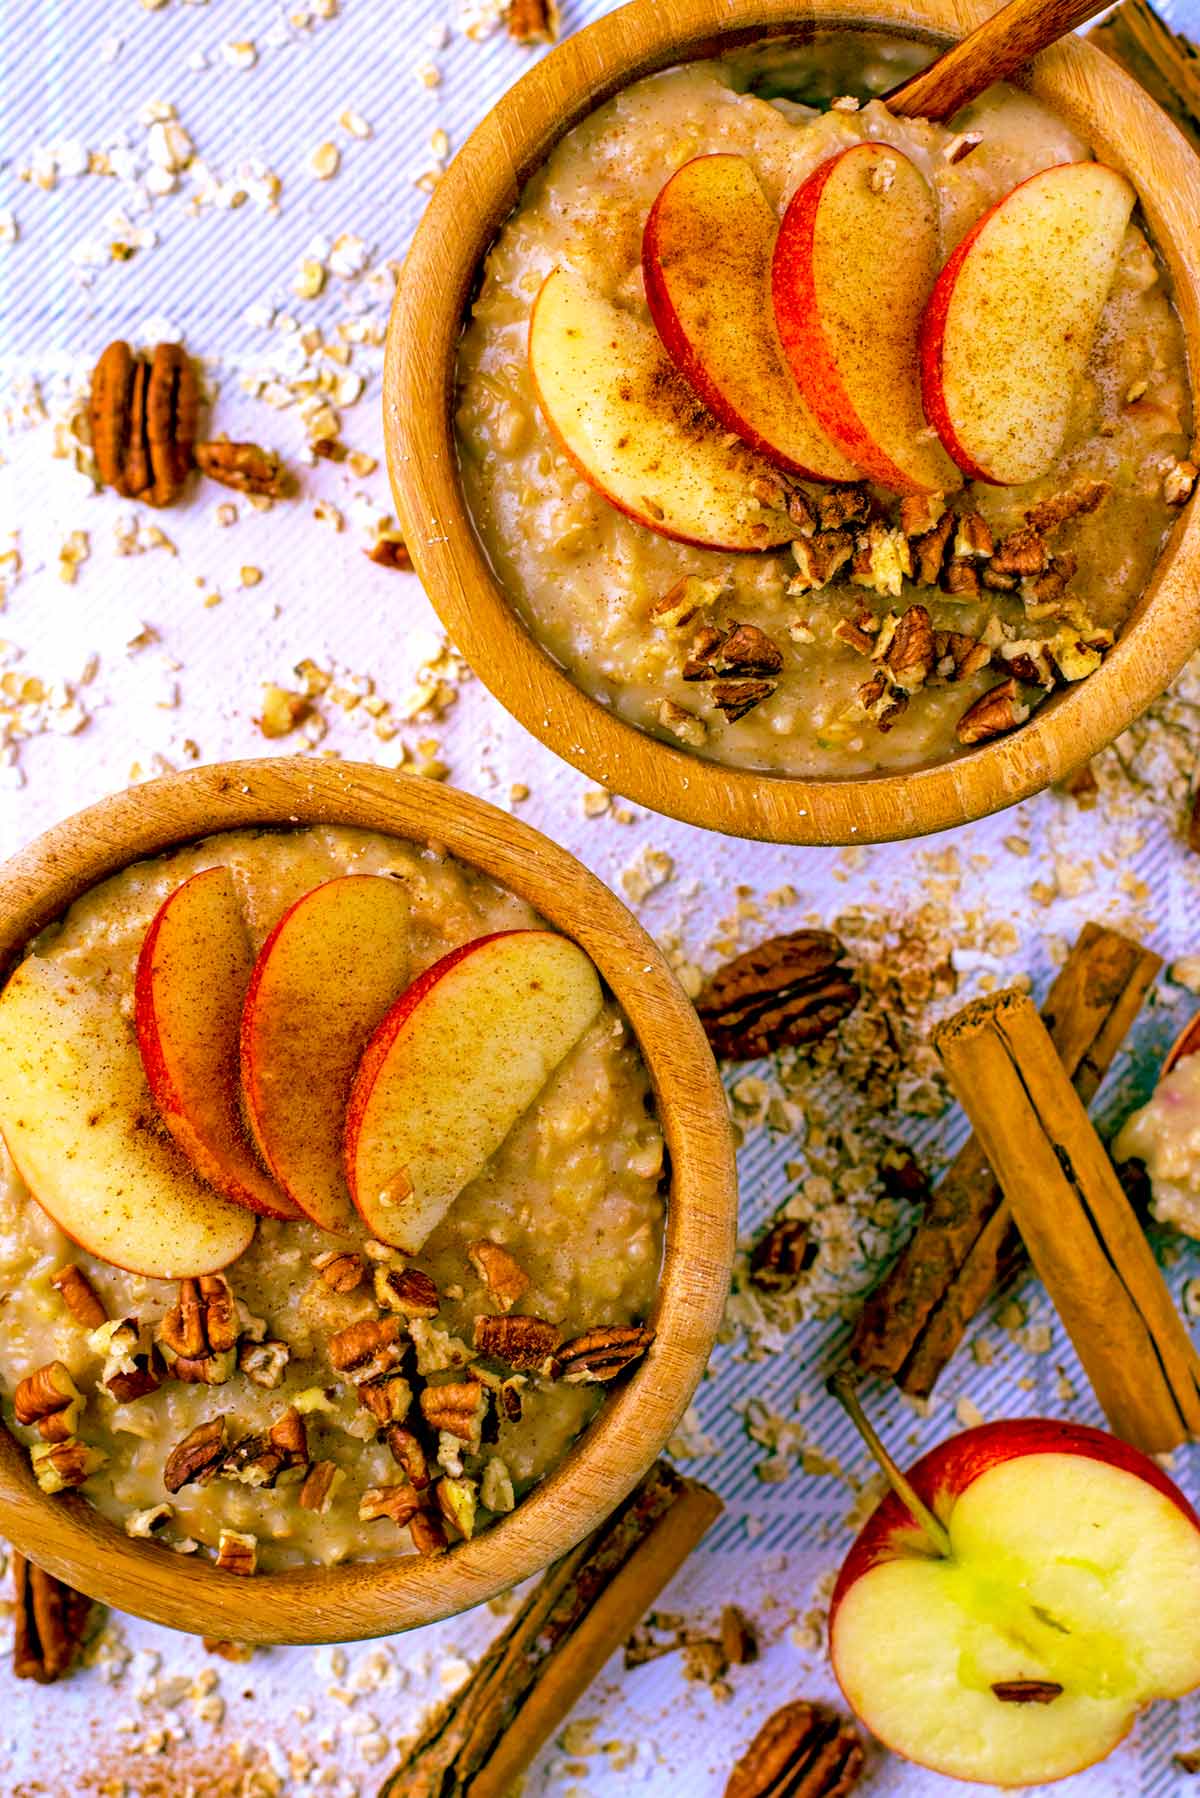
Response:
column 325, row 1352
column 1165, row 1135
column 833, row 692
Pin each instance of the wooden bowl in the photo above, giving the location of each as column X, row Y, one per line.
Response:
column 71, row 1539
column 468, row 207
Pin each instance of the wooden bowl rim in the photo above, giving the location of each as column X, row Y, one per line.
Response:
column 468, row 206
column 1185, row 1044
column 71, row 1539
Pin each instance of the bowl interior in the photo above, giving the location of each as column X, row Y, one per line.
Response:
column 73, row 1541
column 469, row 206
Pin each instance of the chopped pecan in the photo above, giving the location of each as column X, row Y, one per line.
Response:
column 263, row 1362
column 1027, row 1691
column 741, row 650
column 598, row 1356
column 1048, row 514
column 244, row 467
column 532, row 21
column 457, row 1500
column 909, row 653
column 928, row 550
column 780, row 1257
column 690, row 595
column 340, row 1269
column 846, row 630
column 882, row 559
column 997, row 711
column 506, row 1390
column 407, row 1290
column 997, row 581
column 368, row 1349
column 881, row 702
column 1023, row 552
column 739, row 1642
column 320, row 1486
column 1178, row 482
column 145, row 1377
column 50, row 1622
column 133, row 1366
column 141, row 1525
column 514, row 1339
column 901, row 1174
column 737, row 697
column 388, row 1400
column 1045, row 590
column 390, row 552
column 836, row 506
column 408, row 1453
column 254, row 1461
column 237, row 1552
column 960, row 577
column 819, row 559
column 957, row 656
column 458, row 1408
column 198, row 1456
column 228, row 1651
column 61, row 1466
column 289, row 1435
column 200, row 1333
column 49, row 1399
column 401, row 1503
column 1029, row 659
column 172, row 407
column 973, row 536
column 79, row 1296
column 804, row 1750
column 920, row 513
column 500, row 1272
column 428, row 1533
column 791, row 989
column 109, row 412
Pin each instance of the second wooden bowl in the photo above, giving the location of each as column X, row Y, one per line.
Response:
column 71, row 1539
column 470, row 204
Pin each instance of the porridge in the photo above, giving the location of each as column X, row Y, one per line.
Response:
column 1165, row 1136
column 852, row 624
column 291, row 1393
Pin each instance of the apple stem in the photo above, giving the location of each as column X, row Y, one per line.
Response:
column 841, row 1387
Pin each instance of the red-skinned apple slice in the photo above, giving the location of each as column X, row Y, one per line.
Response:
column 79, row 1123
column 706, row 259
column 458, row 1059
column 634, row 428
column 1009, row 326
column 1067, row 1599
column 322, row 984
column 854, row 266
column 192, row 976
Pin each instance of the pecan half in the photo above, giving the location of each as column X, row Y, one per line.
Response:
column 514, row 1339
column 401, row 1503
column 49, row 1624
column 791, row 989
column 243, row 466
column 737, row 697
column 320, row 1486
column 49, row 1399
column 780, row 1257
column 237, row 1552
column 408, row 1453
column 109, row 410
column 500, row 1272
column 198, row 1456
column 802, row 1751
column 997, row 711
column 368, row 1349
column 200, row 1333
column 61, row 1466
column 79, row 1296
column 458, row 1408
column 407, row 1290
column 340, row 1270
column 600, row 1355
column 1027, row 1691
column 172, row 407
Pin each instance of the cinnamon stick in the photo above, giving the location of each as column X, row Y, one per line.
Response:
column 50, row 1620
column 1165, row 63
column 1081, row 1232
column 479, row 1742
column 966, row 1242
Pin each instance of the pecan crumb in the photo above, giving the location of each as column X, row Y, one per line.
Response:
column 532, row 21
column 237, row 1552
column 79, row 1296
column 245, row 467
column 340, row 1269
column 390, row 552
column 779, row 1258
column 500, row 1272
column 198, row 1456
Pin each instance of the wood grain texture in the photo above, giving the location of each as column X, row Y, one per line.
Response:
column 1004, row 43
column 71, row 1539
column 471, row 202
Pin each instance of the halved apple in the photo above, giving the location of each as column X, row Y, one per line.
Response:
column 322, row 984
column 706, row 260
column 1068, row 1600
column 79, row 1122
column 1009, row 326
column 635, row 430
column 854, row 266
column 458, row 1059
column 192, row 976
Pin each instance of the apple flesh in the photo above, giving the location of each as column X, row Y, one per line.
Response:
column 1075, row 1562
column 81, row 1127
column 635, row 430
column 854, row 266
column 706, row 260
column 322, row 984
column 458, row 1059
column 1009, row 326
column 192, row 976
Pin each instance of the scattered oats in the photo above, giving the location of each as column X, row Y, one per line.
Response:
column 428, row 74
column 240, row 54
column 8, row 227
column 249, row 575
column 168, row 145
column 308, row 281
column 361, row 464
column 844, row 103
column 518, row 793
column 439, row 144
column 282, row 711
column 75, row 549
column 596, row 802
column 1186, row 972
column 324, row 161
column 1191, row 1297
column 968, row 1414
column 651, row 869
column 348, row 255
column 325, row 512
column 354, row 123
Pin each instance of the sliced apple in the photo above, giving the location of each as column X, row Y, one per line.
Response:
column 635, row 430
column 1009, row 327
column 322, row 984
column 854, row 266
column 458, row 1059
column 706, row 259
column 79, row 1122
column 192, row 976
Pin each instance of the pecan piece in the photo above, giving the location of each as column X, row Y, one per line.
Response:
column 957, row 656
column 514, row 1339
column 200, row 1333
column 1048, row 514
column 428, row 1533
column 401, row 1503
column 254, row 1461
column 739, row 1642
column 263, row 1362
column 748, row 650
column 368, row 1349
column 49, row 1399
column 1027, row 1691
column 408, row 1453
column 997, row 711
column 846, row 630
column 457, row 1500
column 532, row 21
column 882, row 703
column 458, row 1408
column 803, row 1750
column 61, row 1466
column 244, row 467
column 50, row 1622
column 108, row 410
column 79, row 1296
column 928, row 550
column 237, row 1552
column 780, row 1257
column 500, row 1272
column 321, row 1486
column 136, row 478
column 1023, row 553
column 819, row 559
column 340, row 1270
column 737, row 697
column 836, row 506
column 598, row 1356
column 172, row 406
column 198, row 1456
column 960, row 577
column 909, row 653
column 791, row 989
column 388, row 1400
column 390, row 552
column 973, row 537
column 407, row 1290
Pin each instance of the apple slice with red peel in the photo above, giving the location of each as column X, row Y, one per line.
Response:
column 706, row 259
column 191, row 980
column 83, row 1131
column 1009, row 327
column 634, row 428
column 458, row 1059
column 1013, row 1637
column 322, row 984
column 855, row 263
